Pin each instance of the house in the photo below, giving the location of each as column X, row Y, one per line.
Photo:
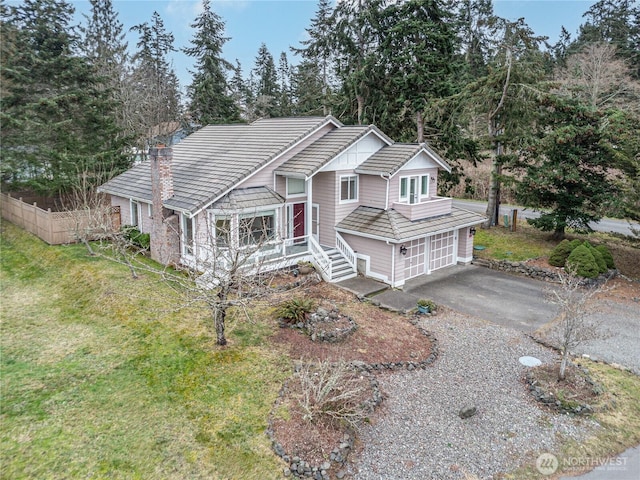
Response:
column 345, row 197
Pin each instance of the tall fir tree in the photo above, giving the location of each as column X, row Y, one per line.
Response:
column 210, row 95
column 265, row 85
column 57, row 122
column 157, row 93
column 318, row 50
column 285, row 104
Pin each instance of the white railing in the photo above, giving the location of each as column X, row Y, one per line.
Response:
column 320, row 257
column 346, row 250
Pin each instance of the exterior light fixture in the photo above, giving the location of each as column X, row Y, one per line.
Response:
column 403, row 250
column 472, row 231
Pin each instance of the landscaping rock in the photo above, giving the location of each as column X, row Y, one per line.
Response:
column 467, row 412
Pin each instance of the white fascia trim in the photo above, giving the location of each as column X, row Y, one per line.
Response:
column 328, row 120
column 366, row 235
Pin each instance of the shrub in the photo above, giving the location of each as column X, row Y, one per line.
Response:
column 582, row 263
column 606, row 255
column 560, row 253
column 333, row 393
column 602, row 265
column 136, row 237
column 295, row 309
column 575, row 243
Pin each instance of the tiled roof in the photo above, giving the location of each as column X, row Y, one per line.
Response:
column 391, row 225
column 323, row 150
column 248, row 198
column 388, row 160
column 211, row 161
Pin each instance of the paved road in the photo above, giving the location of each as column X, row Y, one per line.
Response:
column 604, row 225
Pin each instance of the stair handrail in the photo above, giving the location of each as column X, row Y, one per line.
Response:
column 346, row 250
column 321, row 259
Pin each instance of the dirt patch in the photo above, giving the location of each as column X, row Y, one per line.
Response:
column 381, row 337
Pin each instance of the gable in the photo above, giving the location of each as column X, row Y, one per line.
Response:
column 357, row 153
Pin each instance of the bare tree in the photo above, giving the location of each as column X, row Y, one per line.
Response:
column 600, row 77
column 574, row 324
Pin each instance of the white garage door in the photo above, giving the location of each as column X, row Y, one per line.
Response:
column 414, row 258
column 442, row 250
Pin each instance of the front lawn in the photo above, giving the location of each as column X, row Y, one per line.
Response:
column 99, row 378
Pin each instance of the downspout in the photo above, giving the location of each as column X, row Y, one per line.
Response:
column 308, row 228
column 393, row 264
column 386, row 199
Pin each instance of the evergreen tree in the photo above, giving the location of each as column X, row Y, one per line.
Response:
column 318, row 50
column 155, row 83
column 568, row 168
column 265, row 86
column 57, row 121
column 240, row 91
column 307, row 89
column 211, row 100
column 284, row 86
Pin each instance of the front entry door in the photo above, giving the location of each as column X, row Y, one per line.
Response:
column 299, row 222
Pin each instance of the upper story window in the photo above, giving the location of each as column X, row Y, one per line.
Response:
column 296, row 186
column 349, row 188
column 414, row 189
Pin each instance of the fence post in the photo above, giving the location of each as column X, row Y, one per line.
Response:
column 50, row 220
column 21, row 214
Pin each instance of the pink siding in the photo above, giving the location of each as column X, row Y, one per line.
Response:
column 146, row 220
column 281, row 185
column 379, row 253
column 344, row 209
column 465, row 245
column 125, row 209
column 373, row 191
column 265, row 176
column 431, row 208
column 325, row 194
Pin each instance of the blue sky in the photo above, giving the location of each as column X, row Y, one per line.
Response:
column 281, row 23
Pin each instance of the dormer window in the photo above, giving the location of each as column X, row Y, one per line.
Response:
column 414, row 189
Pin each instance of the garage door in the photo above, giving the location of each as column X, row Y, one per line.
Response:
column 414, row 258
column 442, row 251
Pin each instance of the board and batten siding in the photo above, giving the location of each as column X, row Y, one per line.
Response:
column 379, row 255
column 373, row 191
column 325, row 195
column 265, row 177
column 355, row 155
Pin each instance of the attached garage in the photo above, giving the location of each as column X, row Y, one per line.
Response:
column 442, row 250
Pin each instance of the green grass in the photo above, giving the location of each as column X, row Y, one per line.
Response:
column 101, row 377
column 502, row 244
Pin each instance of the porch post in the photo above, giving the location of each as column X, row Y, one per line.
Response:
column 308, row 214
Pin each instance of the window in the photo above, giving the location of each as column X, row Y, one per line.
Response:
column 135, row 213
column 424, row 186
column 414, row 189
column 349, row 188
column 223, row 231
column 150, row 210
column 256, row 228
column 187, row 235
column 296, row 186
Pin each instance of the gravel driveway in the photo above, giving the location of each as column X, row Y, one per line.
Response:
column 419, row 434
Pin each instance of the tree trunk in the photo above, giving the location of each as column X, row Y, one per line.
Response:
column 493, row 202
column 360, row 100
column 420, row 126
column 563, row 364
column 558, row 233
column 219, row 317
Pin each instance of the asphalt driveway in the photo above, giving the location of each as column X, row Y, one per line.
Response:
column 508, row 300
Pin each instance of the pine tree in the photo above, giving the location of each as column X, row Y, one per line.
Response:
column 211, row 100
column 285, row 106
column 156, row 89
column 265, row 88
column 318, row 50
column 568, row 172
column 57, row 118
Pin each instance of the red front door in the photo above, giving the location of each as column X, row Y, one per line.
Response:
column 298, row 220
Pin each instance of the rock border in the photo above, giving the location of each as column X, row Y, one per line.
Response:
column 300, row 468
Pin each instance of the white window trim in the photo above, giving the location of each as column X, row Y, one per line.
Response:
column 134, row 204
column 185, row 244
column 294, row 195
column 234, row 227
column 350, row 200
column 421, row 196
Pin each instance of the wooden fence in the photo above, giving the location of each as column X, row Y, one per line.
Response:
column 55, row 228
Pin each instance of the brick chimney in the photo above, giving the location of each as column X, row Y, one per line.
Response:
column 164, row 227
